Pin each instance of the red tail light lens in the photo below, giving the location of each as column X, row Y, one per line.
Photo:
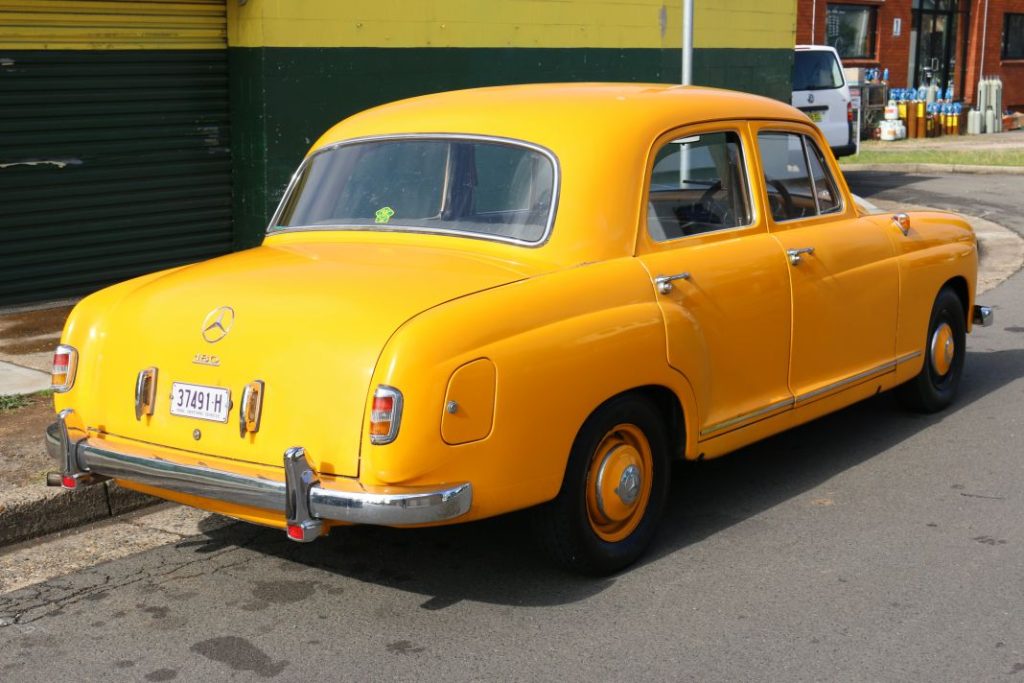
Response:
column 385, row 415
column 849, row 112
column 65, row 364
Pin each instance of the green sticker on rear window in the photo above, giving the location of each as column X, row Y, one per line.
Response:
column 384, row 214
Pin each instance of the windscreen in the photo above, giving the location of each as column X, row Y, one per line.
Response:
column 816, row 70
column 476, row 187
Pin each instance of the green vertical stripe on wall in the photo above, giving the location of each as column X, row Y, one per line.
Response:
column 284, row 98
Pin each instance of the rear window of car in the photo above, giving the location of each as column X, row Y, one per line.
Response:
column 816, row 70
column 476, row 187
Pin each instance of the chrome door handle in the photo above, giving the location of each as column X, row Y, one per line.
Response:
column 664, row 282
column 794, row 254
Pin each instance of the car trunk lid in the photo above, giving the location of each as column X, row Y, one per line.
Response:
column 309, row 320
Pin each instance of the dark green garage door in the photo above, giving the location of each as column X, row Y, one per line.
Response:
column 114, row 156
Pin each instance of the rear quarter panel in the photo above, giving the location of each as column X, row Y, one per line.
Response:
column 561, row 343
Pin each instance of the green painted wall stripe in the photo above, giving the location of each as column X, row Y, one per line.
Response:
column 284, row 98
column 112, row 164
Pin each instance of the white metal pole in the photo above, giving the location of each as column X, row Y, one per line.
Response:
column 984, row 38
column 687, row 42
column 814, row 16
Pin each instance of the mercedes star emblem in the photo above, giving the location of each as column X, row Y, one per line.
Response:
column 218, row 323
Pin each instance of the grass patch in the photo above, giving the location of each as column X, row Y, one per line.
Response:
column 8, row 403
column 11, row 403
column 976, row 157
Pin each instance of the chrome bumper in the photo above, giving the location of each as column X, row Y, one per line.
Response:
column 983, row 316
column 301, row 498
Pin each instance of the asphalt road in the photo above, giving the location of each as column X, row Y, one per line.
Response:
column 871, row 545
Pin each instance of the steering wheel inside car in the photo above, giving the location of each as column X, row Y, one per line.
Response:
column 781, row 204
column 717, row 211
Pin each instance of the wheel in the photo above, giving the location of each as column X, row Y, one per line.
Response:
column 614, row 489
column 946, row 344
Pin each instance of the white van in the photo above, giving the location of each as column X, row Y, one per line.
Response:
column 821, row 92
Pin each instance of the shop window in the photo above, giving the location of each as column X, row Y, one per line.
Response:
column 1013, row 36
column 850, row 29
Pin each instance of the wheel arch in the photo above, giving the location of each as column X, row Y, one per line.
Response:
column 668, row 406
column 671, row 410
column 958, row 283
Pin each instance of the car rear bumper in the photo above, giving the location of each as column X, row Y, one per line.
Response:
column 301, row 497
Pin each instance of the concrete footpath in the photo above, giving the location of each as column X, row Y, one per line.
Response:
column 29, row 509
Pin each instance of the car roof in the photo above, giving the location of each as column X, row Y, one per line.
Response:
column 549, row 114
column 818, row 48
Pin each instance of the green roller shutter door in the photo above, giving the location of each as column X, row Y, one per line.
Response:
column 113, row 162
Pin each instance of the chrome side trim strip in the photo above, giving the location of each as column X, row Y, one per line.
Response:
column 732, row 421
column 860, row 376
column 392, row 507
column 791, row 402
column 907, row 356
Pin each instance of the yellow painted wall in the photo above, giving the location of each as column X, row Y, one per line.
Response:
column 199, row 24
column 509, row 23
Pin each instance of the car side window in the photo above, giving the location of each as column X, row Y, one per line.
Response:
column 796, row 178
column 824, row 184
column 698, row 185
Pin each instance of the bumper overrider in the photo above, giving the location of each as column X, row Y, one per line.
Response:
column 300, row 497
column 982, row 316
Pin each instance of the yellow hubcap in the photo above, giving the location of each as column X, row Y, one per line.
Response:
column 943, row 349
column 619, row 482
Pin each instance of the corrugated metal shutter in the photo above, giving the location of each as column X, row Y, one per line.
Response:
column 114, row 157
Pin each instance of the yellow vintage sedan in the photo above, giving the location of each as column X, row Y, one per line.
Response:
column 530, row 296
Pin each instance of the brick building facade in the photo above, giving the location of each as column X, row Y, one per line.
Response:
column 956, row 42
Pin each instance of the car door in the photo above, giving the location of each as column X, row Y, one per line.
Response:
column 722, row 281
column 843, row 271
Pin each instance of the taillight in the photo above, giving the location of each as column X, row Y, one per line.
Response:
column 385, row 415
column 849, row 112
column 65, row 363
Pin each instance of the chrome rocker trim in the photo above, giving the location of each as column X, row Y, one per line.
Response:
column 983, row 316
column 300, row 498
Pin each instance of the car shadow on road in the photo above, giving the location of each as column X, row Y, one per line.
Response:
column 495, row 561
column 870, row 183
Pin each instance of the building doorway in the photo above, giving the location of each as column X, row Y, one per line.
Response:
column 933, row 43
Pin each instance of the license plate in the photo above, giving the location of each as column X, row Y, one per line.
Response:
column 204, row 403
column 815, row 116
